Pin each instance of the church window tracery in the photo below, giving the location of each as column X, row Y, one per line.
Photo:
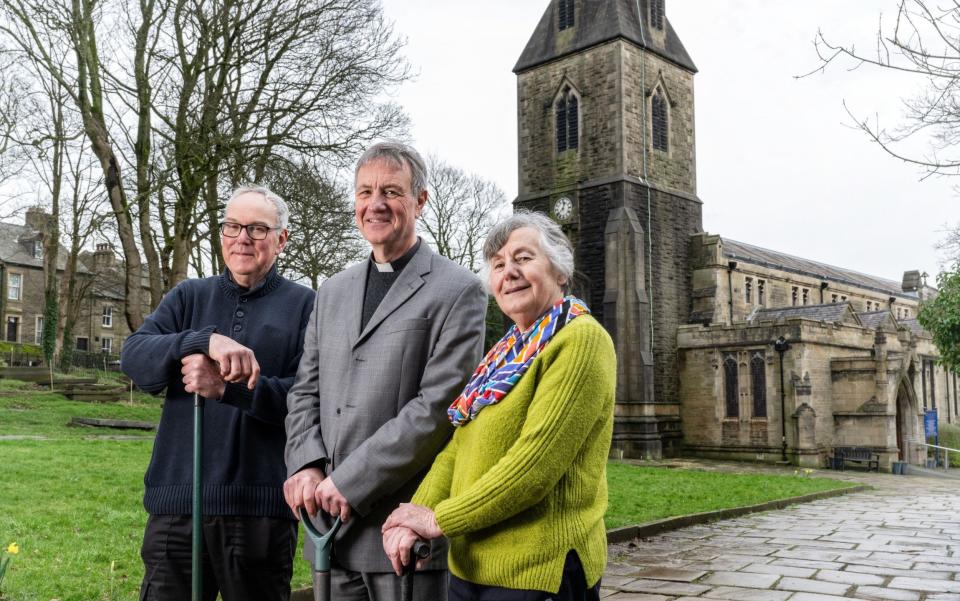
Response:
column 748, row 290
column 660, row 120
column 806, row 296
column 567, row 116
column 731, row 385
column 758, row 383
column 566, row 14
column 761, row 292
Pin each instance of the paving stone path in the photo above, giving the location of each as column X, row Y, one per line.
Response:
column 899, row 542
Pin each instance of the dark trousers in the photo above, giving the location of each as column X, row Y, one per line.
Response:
column 244, row 558
column 573, row 587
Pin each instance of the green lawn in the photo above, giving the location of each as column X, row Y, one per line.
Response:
column 643, row 494
column 73, row 500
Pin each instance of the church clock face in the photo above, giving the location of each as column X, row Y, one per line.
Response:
column 563, row 208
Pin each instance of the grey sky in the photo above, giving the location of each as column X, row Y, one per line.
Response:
column 778, row 162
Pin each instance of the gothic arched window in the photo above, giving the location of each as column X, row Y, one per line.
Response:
column 567, row 115
column 731, row 385
column 758, row 383
column 566, row 14
column 661, row 124
column 656, row 14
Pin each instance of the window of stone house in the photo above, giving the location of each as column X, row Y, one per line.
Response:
column 843, row 298
column 106, row 344
column 83, row 343
column 834, row 298
column 13, row 328
column 794, row 296
column 38, row 330
column 656, row 14
column 923, row 382
column 956, row 403
column 758, row 383
column 566, row 14
column 806, row 296
column 38, row 249
column 869, row 306
column 107, row 317
column 14, row 286
column 748, row 290
column 906, row 313
column 761, row 292
column 731, row 385
column 567, row 116
column 660, row 121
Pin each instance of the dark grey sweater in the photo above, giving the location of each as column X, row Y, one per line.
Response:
column 243, row 467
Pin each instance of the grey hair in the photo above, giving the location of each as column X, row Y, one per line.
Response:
column 553, row 242
column 283, row 211
column 397, row 154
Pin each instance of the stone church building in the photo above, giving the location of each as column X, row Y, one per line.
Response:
column 607, row 148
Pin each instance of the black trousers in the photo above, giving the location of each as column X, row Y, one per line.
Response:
column 244, row 558
column 573, row 587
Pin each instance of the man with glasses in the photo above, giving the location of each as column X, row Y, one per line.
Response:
column 235, row 339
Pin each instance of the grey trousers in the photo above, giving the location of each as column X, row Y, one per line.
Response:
column 345, row 585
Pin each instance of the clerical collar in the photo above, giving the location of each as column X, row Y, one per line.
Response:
column 398, row 264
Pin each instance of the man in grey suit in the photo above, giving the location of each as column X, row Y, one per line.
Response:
column 389, row 345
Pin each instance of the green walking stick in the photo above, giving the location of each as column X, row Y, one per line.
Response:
column 197, row 551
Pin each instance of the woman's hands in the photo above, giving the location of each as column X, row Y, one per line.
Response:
column 403, row 528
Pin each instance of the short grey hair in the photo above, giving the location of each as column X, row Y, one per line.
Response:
column 397, row 154
column 553, row 242
column 283, row 211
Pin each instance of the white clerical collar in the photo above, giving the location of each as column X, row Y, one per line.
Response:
column 384, row 267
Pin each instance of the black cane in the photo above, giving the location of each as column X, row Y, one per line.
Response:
column 323, row 549
column 420, row 550
column 197, row 551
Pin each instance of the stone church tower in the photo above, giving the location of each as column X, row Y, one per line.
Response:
column 606, row 147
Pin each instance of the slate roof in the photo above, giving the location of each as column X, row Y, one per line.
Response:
column 599, row 21
column 875, row 319
column 13, row 252
column 830, row 313
column 914, row 326
column 748, row 253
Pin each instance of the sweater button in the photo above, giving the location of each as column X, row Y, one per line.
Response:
column 237, row 327
column 239, row 313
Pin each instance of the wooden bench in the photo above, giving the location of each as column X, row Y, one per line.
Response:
column 862, row 455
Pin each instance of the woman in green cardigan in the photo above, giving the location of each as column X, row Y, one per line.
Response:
column 520, row 490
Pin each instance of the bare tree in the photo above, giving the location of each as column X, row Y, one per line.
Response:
column 323, row 238
column 257, row 80
column 923, row 39
column 61, row 38
column 460, row 211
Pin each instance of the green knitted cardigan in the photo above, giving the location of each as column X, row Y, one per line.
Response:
column 525, row 482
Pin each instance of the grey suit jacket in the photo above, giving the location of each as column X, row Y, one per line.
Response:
column 371, row 406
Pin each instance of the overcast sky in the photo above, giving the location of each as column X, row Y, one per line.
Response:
column 778, row 163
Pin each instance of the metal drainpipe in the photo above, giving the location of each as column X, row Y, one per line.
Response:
column 643, row 87
column 782, row 346
column 730, row 267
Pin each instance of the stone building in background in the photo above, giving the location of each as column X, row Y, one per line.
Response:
column 101, row 327
column 607, row 148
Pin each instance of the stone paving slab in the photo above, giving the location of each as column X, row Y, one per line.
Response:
column 897, row 542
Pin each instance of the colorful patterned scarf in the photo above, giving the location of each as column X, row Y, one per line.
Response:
column 509, row 359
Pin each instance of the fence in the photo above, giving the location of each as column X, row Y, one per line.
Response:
column 28, row 355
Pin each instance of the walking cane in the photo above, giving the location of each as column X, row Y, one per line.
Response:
column 197, row 551
column 323, row 545
column 420, row 550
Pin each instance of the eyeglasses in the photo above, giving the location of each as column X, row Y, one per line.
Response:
column 255, row 231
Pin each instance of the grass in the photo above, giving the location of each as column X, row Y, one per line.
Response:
column 73, row 500
column 950, row 438
column 642, row 494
